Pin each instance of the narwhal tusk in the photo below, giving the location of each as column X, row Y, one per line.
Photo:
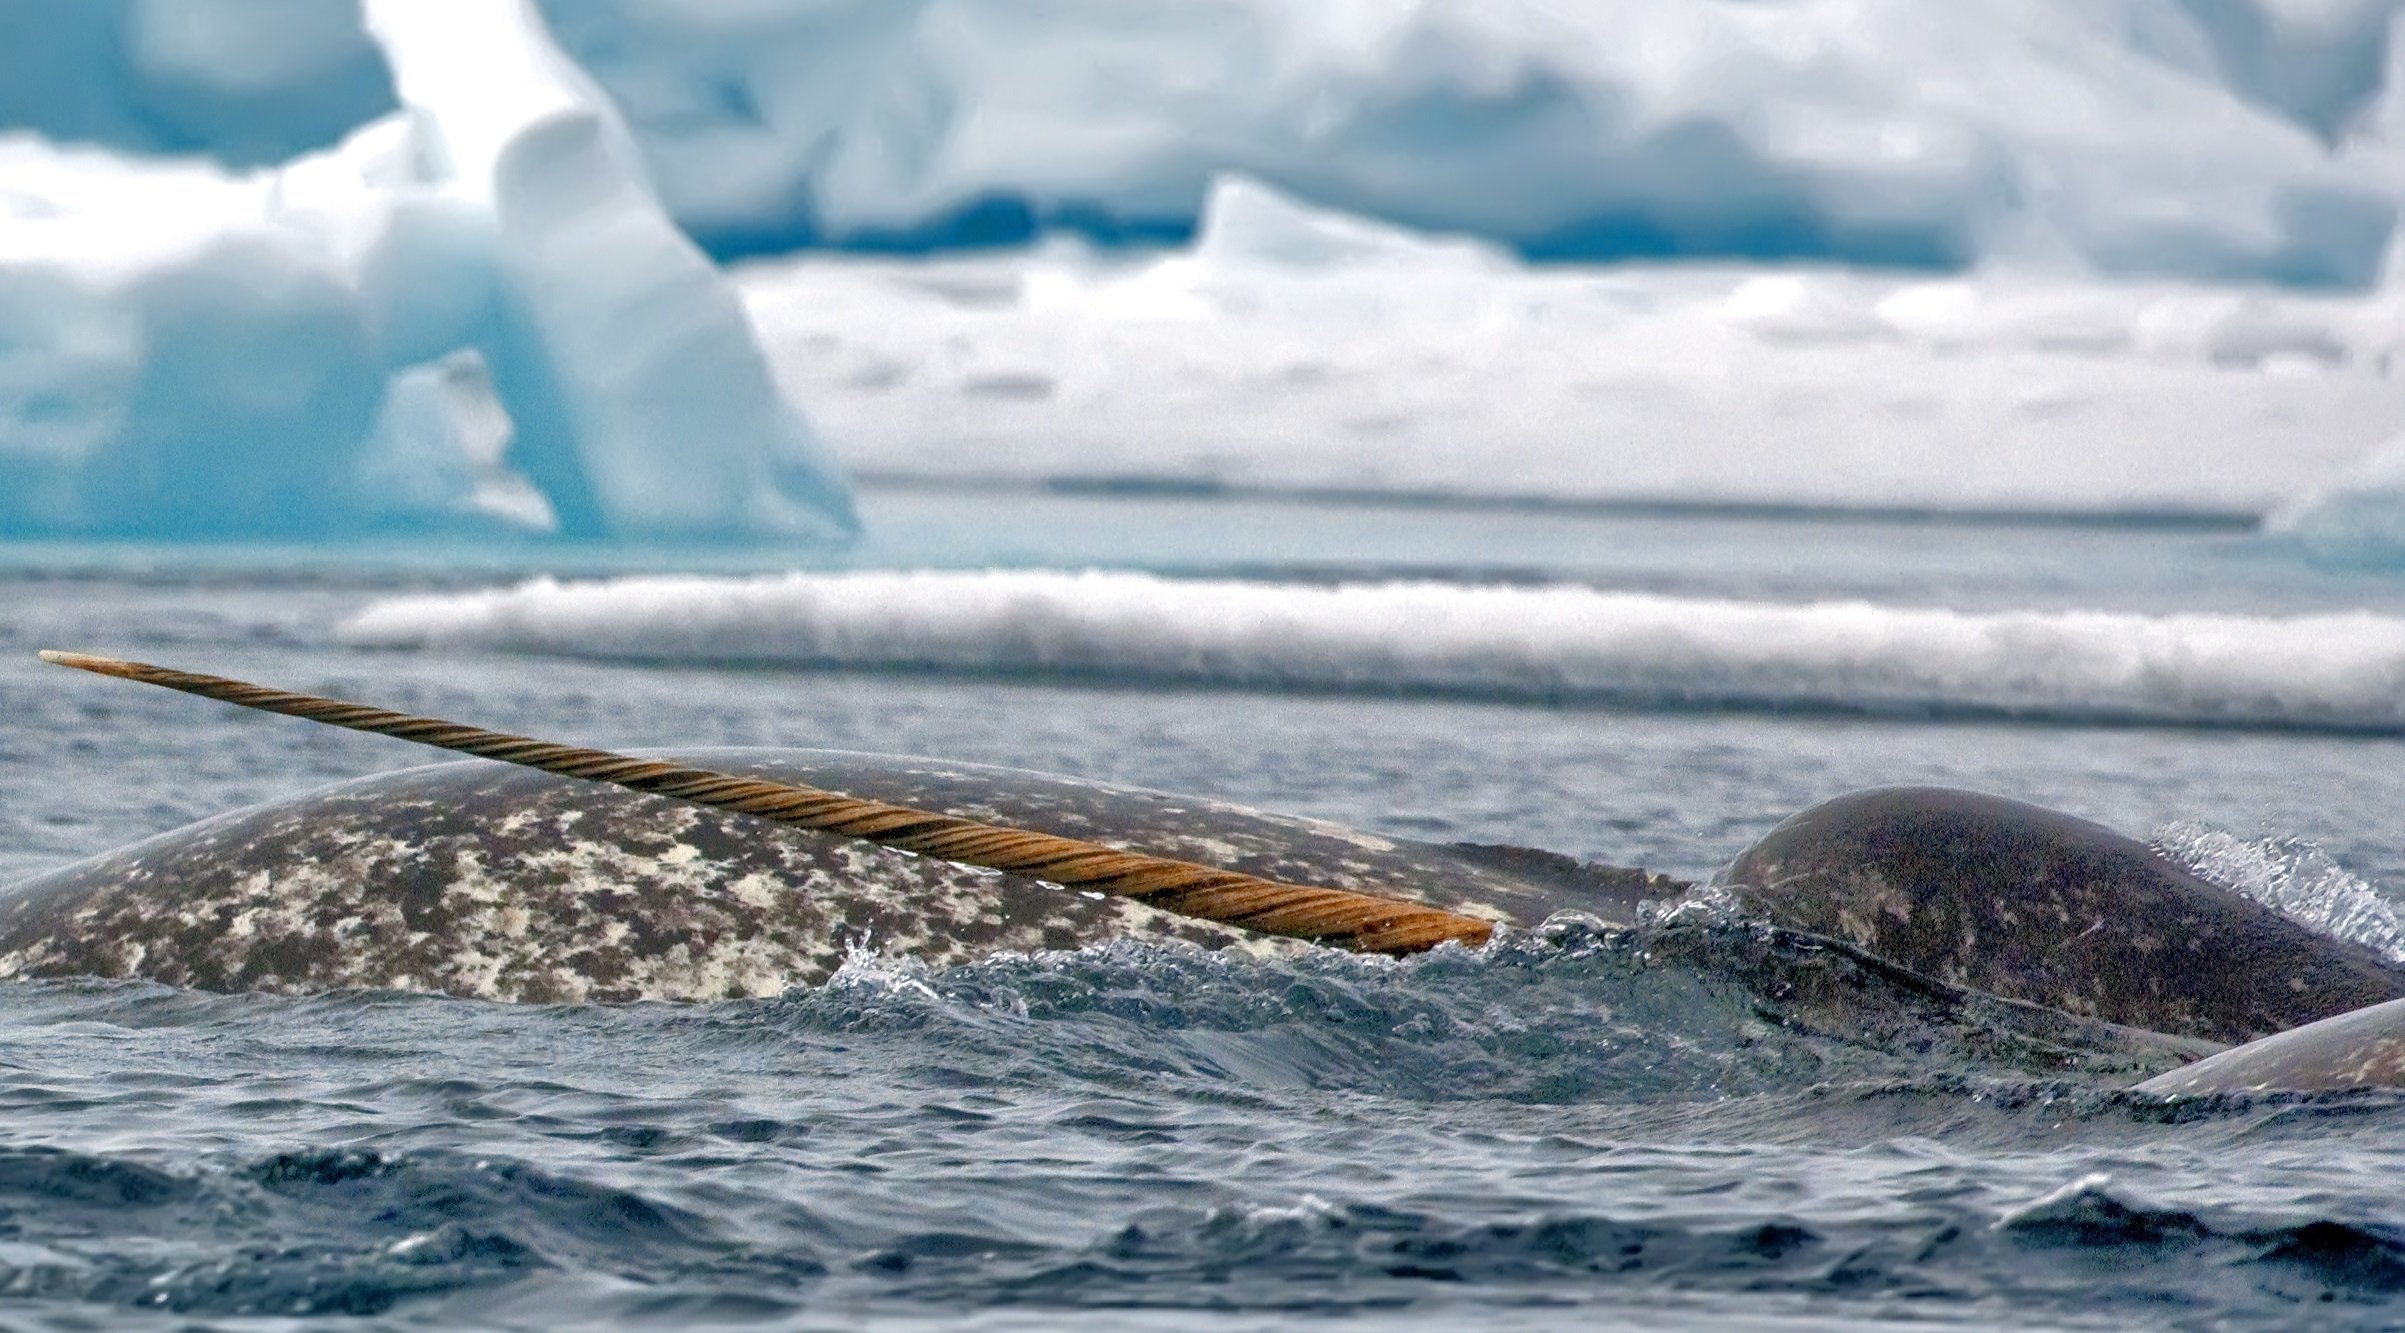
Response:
column 1340, row 917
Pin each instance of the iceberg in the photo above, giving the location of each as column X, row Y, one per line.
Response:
column 250, row 83
column 2354, row 519
column 2120, row 138
column 472, row 313
column 2159, row 224
column 2201, row 139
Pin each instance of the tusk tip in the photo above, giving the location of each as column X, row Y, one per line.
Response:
column 80, row 661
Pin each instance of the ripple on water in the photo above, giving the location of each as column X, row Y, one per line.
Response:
column 1583, row 1120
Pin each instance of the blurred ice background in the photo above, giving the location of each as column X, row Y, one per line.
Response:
column 294, row 268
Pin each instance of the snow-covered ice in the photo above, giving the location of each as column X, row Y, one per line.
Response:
column 469, row 312
column 1295, row 349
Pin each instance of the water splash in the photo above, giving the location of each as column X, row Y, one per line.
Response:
column 1711, row 903
column 2293, row 877
column 866, row 969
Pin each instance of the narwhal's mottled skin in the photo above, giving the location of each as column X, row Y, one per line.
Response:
column 1900, row 911
column 2363, row 1049
column 482, row 880
column 2035, row 905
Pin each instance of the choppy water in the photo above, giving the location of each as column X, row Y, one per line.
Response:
column 1563, row 1130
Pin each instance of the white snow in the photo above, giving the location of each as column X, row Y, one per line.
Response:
column 1290, row 348
column 467, row 297
column 1535, row 643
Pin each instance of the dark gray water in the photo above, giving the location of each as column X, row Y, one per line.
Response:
column 1562, row 1130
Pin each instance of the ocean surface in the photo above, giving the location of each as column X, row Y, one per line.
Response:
column 1569, row 1128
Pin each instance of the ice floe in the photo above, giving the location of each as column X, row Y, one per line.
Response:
column 1291, row 348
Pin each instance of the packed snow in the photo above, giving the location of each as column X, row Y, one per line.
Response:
column 471, row 313
column 2199, row 138
column 1294, row 349
column 1541, row 644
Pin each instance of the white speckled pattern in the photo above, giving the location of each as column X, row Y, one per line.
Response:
column 481, row 880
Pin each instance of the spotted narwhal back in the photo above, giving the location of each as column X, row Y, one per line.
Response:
column 484, row 880
column 2037, row 905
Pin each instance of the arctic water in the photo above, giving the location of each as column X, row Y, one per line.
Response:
column 1571, row 1127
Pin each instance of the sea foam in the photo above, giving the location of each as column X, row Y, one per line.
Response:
column 2291, row 876
column 2343, row 671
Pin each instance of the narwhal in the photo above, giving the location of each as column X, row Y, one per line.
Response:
column 561, row 874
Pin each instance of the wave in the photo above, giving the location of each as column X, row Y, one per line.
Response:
column 2291, row 876
column 1546, row 644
